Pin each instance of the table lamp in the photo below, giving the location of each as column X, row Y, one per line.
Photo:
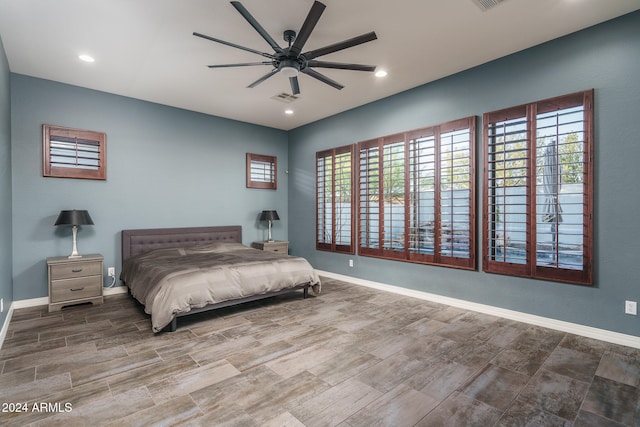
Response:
column 74, row 218
column 269, row 216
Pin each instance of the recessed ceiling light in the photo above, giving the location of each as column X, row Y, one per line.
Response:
column 86, row 58
column 288, row 112
column 381, row 73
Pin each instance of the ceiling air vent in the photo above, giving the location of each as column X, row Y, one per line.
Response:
column 485, row 5
column 285, row 98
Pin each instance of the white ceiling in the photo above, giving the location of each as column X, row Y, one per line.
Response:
column 145, row 48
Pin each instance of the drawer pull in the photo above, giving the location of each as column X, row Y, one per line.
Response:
column 76, row 270
column 76, row 289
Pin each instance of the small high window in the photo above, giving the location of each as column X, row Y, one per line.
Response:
column 73, row 153
column 261, row 171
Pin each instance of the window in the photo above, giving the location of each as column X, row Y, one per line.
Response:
column 417, row 195
column 261, row 171
column 334, row 200
column 73, row 153
column 538, row 192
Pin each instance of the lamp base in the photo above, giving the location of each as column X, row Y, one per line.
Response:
column 74, row 251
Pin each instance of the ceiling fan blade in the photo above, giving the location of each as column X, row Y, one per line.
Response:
column 309, row 24
column 245, row 64
column 295, row 87
column 341, row 45
column 248, row 49
column 251, row 20
column 263, row 78
column 341, row 66
column 324, row 79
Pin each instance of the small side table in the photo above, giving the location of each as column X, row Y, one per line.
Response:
column 74, row 280
column 278, row 246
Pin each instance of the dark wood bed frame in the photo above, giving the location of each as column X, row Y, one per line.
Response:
column 135, row 242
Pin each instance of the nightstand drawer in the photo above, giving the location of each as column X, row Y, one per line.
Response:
column 277, row 246
column 72, row 289
column 76, row 269
column 282, row 248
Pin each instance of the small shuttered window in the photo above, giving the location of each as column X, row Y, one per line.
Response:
column 335, row 200
column 262, row 171
column 538, row 192
column 73, row 153
column 416, row 195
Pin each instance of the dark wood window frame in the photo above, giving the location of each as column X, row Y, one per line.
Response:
column 441, row 162
column 262, row 171
column 515, row 144
column 73, row 153
column 335, row 200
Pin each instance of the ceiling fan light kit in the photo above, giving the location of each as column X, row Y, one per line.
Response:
column 291, row 60
column 289, row 68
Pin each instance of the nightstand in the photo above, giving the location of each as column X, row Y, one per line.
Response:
column 74, row 280
column 278, row 246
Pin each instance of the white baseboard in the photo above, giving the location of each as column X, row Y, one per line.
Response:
column 114, row 291
column 32, row 302
column 573, row 328
column 5, row 327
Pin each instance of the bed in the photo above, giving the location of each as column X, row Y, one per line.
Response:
column 174, row 272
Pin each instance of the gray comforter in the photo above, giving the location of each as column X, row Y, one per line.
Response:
column 172, row 281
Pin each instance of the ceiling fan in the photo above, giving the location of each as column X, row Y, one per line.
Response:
column 289, row 61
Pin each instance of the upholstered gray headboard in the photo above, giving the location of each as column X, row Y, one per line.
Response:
column 135, row 242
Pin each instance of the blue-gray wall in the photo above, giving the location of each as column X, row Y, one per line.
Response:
column 6, row 288
column 166, row 167
column 605, row 57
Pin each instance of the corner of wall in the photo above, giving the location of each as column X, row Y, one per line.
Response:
column 6, row 197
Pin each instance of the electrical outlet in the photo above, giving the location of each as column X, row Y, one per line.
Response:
column 1, row 305
column 631, row 307
column 350, row 263
column 111, row 271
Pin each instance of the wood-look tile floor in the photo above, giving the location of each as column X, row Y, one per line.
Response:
column 352, row 356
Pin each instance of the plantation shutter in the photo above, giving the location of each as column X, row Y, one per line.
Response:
column 457, row 193
column 417, row 195
column 507, row 218
column 262, row 171
column 74, row 153
column 334, row 200
column 369, row 199
column 538, row 189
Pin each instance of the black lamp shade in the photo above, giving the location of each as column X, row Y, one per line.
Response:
column 74, row 217
column 269, row 216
